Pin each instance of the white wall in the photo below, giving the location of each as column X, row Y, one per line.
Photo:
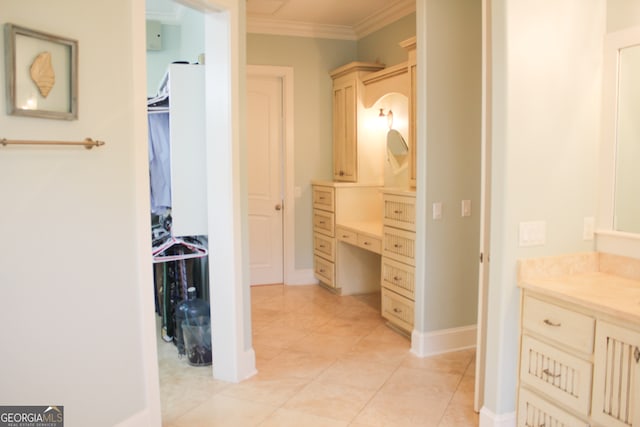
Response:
column 72, row 275
column 547, row 64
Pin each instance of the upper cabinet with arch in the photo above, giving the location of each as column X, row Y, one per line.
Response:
column 359, row 152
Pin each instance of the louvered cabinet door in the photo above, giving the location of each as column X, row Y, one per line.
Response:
column 616, row 386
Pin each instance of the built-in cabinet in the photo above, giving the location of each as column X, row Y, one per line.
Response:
column 349, row 163
column 410, row 46
column 347, row 236
column 397, row 277
column 578, row 367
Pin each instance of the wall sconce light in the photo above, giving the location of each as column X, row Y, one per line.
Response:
column 389, row 117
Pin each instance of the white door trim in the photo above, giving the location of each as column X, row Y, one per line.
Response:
column 288, row 226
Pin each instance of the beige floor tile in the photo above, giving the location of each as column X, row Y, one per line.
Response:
column 295, row 364
column 357, row 373
column 460, row 416
column 224, row 411
column 273, row 391
column 278, row 336
column 349, row 327
column 400, row 407
column 325, row 344
column 452, row 363
column 336, row 401
column 379, row 351
column 434, row 383
column 288, row 418
column 302, row 321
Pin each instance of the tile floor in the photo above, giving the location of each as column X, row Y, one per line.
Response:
column 323, row 360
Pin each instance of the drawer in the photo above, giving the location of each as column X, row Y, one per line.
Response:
column 324, row 271
column 399, row 245
column 397, row 309
column 347, row 236
column 398, row 277
column 561, row 376
column 324, row 246
column 324, row 198
column 323, row 222
column 562, row 325
column 534, row 411
column 400, row 212
column 369, row 243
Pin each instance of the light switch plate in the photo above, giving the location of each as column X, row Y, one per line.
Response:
column 437, row 210
column 532, row 233
column 465, row 208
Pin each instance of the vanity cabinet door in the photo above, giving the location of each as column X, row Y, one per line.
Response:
column 616, row 384
column 345, row 104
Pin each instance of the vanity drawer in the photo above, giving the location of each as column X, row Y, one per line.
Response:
column 561, row 376
column 398, row 277
column 397, row 309
column 324, row 271
column 347, row 236
column 400, row 211
column 324, row 246
column 399, row 245
column 323, row 222
column 324, row 198
column 562, row 325
column 369, row 243
column 534, row 411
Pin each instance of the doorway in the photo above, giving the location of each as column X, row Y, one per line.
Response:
column 265, row 172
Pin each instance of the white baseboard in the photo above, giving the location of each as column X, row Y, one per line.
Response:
column 301, row 277
column 425, row 344
column 489, row 419
column 247, row 364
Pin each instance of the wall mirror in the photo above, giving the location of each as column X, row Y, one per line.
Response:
column 397, row 149
column 619, row 183
column 626, row 197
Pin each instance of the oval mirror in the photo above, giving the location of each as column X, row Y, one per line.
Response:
column 397, row 149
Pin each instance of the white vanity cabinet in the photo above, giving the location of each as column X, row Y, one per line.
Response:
column 397, row 277
column 579, row 352
column 350, row 162
column 616, row 376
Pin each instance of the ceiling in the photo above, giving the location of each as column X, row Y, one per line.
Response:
column 341, row 19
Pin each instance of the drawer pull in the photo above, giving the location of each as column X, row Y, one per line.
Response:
column 396, row 278
column 321, row 246
column 345, row 236
column 397, row 310
column 550, row 374
column 397, row 245
column 550, row 323
column 321, row 198
column 321, row 222
column 321, row 270
column 366, row 243
column 397, row 212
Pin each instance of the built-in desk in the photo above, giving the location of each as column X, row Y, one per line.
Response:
column 359, row 245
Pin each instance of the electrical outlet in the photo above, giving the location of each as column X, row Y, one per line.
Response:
column 465, row 208
column 588, row 228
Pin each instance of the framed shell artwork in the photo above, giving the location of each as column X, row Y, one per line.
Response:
column 41, row 74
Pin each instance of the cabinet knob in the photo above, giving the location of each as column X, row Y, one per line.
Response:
column 278, row 207
column 397, row 245
column 636, row 354
column 397, row 212
column 397, row 310
column 341, row 173
column 396, row 279
column 366, row 243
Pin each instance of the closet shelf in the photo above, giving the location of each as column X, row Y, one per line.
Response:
column 88, row 143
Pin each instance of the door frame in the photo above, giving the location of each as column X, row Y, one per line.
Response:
column 288, row 190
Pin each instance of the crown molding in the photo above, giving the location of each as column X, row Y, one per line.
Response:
column 299, row 29
column 384, row 17
column 370, row 24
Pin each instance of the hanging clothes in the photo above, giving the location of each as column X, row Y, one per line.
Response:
column 159, row 161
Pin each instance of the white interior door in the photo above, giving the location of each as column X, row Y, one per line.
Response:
column 264, row 142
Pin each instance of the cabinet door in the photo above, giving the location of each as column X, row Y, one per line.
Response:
column 616, row 394
column 345, row 132
column 412, row 126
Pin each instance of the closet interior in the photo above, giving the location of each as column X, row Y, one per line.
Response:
column 177, row 169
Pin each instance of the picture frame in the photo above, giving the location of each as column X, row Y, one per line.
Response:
column 41, row 74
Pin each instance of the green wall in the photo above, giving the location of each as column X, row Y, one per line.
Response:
column 382, row 45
